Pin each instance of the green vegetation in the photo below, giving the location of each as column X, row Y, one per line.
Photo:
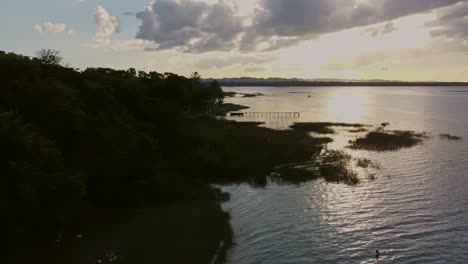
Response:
column 245, row 95
column 177, row 233
column 335, row 168
column 385, row 124
column 332, row 166
column 381, row 140
column 358, row 130
column 226, row 108
column 322, row 127
column 366, row 163
column 105, row 140
column 450, row 137
column 229, row 94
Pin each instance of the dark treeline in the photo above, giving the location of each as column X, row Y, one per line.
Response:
column 100, row 137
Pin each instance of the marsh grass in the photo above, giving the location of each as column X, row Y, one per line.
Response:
column 229, row 94
column 244, row 95
column 225, row 108
column 294, row 175
column 250, row 95
column 358, row 130
column 334, row 167
column 381, row 140
column 366, row 163
column 322, row 127
column 450, row 137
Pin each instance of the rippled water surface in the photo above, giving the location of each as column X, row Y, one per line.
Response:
column 415, row 211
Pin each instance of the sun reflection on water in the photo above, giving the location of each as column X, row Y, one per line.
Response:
column 348, row 105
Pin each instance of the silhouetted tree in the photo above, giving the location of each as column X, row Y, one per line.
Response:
column 49, row 56
column 195, row 76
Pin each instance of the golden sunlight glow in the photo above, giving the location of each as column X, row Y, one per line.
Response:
column 348, row 105
column 346, row 54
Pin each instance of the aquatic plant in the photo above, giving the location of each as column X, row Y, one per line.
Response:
column 358, row 130
column 322, row 127
column 366, row 163
column 334, row 167
column 225, row 108
column 381, row 140
column 450, row 137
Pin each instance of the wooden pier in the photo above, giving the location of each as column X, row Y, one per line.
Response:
column 266, row 114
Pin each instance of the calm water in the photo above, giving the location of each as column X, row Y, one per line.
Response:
column 416, row 211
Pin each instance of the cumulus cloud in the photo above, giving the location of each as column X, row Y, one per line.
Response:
column 304, row 19
column 196, row 26
column 107, row 25
column 451, row 26
column 49, row 27
column 190, row 25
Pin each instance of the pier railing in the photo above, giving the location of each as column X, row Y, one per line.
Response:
column 266, row 114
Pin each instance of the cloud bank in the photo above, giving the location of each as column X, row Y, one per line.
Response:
column 196, row 27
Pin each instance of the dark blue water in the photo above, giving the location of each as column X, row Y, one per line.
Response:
column 415, row 211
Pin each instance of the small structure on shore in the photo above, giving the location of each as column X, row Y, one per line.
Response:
column 266, row 114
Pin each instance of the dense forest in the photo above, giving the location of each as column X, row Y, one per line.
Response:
column 103, row 138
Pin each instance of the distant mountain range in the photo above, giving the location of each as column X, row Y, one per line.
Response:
column 249, row 81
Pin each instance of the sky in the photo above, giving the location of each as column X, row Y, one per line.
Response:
column 410, row 40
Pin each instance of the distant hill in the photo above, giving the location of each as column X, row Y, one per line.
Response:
column 284, row 82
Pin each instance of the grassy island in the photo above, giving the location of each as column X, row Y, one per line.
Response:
column 325, row 127
column 381, row 140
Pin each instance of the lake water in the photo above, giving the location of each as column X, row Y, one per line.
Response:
column 415, row 211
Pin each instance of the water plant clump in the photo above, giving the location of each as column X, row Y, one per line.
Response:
column 335, row 168
column 225, row 108
column 450, row 137
column 294, row 175
column 322, row 127
column 381, row 140
column 358, row 130
column 366, row 163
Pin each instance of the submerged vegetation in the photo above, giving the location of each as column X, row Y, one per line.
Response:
column 244, row 95
column 381, row 140
column 335, row 168
column 366, row 163
column 450, row 137
column 323, row 127
column 332, row 166
column 358, row 130
column 225, row 108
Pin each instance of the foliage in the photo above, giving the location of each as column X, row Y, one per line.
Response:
column 381, row 140
column 101, row 136
column 120, row 138
column 335, row 168
column 322, row 127
column 450, row 137
column 49, row 56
